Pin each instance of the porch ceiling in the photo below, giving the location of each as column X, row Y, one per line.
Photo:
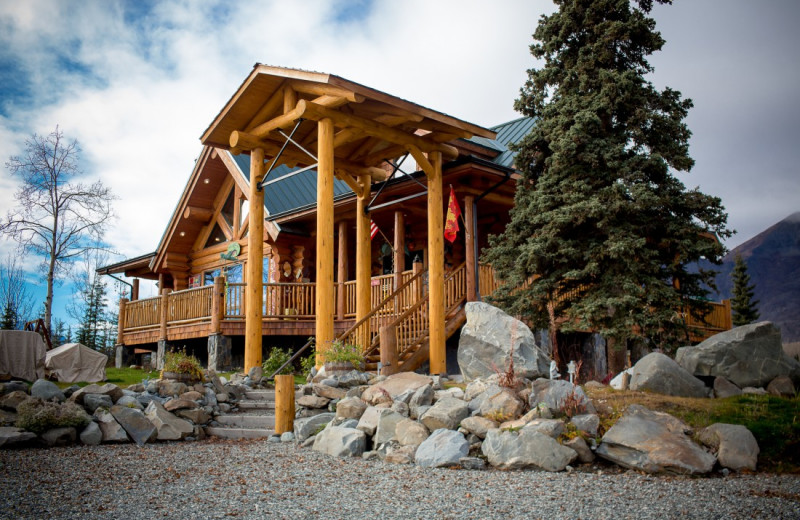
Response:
column 370, row 125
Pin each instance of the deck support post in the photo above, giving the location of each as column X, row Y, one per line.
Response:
column 363, row 261
column 390, row 363
column 472, row 250
column 284, row 404
column 255, row 266
column 341, row 273
column 399, row 248
column 326, row 301
column 123, row 302
column 438, row 361
column 217, row 305
column 135, row 290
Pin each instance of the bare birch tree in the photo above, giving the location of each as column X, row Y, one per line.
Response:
column 56, row 217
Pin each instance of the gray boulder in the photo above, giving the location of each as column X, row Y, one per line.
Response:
column 47, row 390
column 306, row 427
column 12, row 400
column 170, row 388
column 551, row 427
column 443, row 448
column 503, row 406
column 91, row 435
column 138, row 427
column 781, row 386
column 197, row 416
column 94, row 401
column 585, row 455
column 394, row 386
column 423, row 396
column 385, row 430
column 398, row 454
column 350, row 408
column 111, row 390
column 10, row 436
column 368, row 421
column 59, row 436
column 410, row 433
column 447, row 413
column 734, row 444
column 130, row 401
column 486, row 342
column 588, row 423
column 168, row 426
column 654, row 442
column 313, row 401
column 478, row 425
column 751, row 355
column 526, row 449
column 558, row 394
column 724, row 388
column 340, row 442
column 659, row 374
column 112, row 430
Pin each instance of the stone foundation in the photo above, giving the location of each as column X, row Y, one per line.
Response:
column 162, row 349
column 219, row 353
column 124, row 356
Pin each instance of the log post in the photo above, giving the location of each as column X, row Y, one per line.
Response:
column 416, row 268
column 363, row 262
column 284, row 404
column 218, row 305
column 123, row 302
column 255, row 265
column 399, row 248
column 438, row 361
column 341, row 274
column 135, row 290
column 326, row 302
column 728, row 316
column 469, row 239
column 389, row 359
column 164, row 313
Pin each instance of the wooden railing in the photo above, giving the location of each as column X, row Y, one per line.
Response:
column 190, row 305
column 290, row 300
column 142, row 314
column 487, row 280
column 234, row 300
column 350, row 299
column 717, row 320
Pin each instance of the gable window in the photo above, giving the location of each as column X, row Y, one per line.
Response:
column 216, row 237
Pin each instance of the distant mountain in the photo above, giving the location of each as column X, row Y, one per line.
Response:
column 773, row 263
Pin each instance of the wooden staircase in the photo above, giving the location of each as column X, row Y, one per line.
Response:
column 255, row 418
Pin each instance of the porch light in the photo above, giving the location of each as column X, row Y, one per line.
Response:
column 182, row 233
column 206, row 181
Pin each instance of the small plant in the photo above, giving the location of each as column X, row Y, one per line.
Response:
column 497, row 415
column 39, row 416
column 340, row 352
column 277, row 357
column 573, row 404
column 180, row 362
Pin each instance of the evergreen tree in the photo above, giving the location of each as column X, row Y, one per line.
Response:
column 57, row 337
column 598, row 215
column 93, row 317
column 9, row 320
column 743, row 308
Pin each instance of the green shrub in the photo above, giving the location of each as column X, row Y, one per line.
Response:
column 340, row 352
column 182, row 363
column 277, row 357
column 38, row 416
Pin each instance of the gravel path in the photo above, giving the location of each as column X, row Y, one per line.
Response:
column 254, row 479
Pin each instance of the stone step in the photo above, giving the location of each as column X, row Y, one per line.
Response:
column 238, row 433
column 260, row 395
column 246, row 421
column 247, row 404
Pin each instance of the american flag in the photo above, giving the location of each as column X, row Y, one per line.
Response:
column 373, row 229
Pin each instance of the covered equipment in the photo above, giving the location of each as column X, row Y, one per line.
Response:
column 74, row 362
column 22, row 355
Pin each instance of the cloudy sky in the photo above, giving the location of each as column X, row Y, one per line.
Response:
column 137, row 82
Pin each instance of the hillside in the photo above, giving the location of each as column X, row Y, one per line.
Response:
column 773, row 262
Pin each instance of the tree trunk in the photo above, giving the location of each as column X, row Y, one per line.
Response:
column 616, row 355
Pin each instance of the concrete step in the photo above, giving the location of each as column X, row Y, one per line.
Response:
column 260, row 395
column 247, row 421
column 247, row 404
column 238, row 433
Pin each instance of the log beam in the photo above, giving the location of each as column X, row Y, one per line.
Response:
column 255, row 264
column 363, row 260
column 325, row 297
column 198, row 214
column 438, row 361
column 319, row 89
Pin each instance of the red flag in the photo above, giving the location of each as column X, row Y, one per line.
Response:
column 453, row 212
column 373, row 229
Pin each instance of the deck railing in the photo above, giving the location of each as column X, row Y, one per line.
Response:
column 190, row 305
column 293, row 300
column 142, row 314
column 717, row 320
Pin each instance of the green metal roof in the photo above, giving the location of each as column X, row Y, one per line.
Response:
column 508, row 133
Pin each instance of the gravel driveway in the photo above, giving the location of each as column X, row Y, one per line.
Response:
column 254, row 479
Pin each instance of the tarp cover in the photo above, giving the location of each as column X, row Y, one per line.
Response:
column 22, row 354
column 73, row 362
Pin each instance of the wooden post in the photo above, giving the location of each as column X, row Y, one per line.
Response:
column 121, row 320
column 728, row 315
column 135, row 290
column 469, row 239
column 363, row 261
column 284, row 404
column 326, row 300
column 416, row 267
column 255, row 265
column 164, row 309
column 438, row 361
column 399, row 248
column 218, row 305
column 341, row 274
column 389, row 359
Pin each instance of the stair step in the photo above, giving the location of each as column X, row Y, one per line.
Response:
column 260, row 395
column 238, row 433
column 247, row 404
column 247, row 421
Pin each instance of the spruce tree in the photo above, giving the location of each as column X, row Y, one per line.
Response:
column 743, row 308
column 599, row 218
column 9, row 319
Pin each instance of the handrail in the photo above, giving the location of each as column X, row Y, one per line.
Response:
column 291, row 359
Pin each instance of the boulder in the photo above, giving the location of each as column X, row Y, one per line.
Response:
column 180, row 404
column 313, row 401
column 329, row 392
column 112, row 430
column 558, row 394
column 750, row 355
column 12, row 400
column 10, row 436
column 410, row 433
column 306, row 427
column 526, row 449
column 340, row 442
column 168, row 426
column 653, row 442
column 130, row 401
column 446, row 413
column 387, row 424
column 659, row 374
column 502, row 406
column 138, row 427
column 478, row 425
column 350, row 408
column 47, row 390
column 91, row 435
column 368, row 421
column 59, row 436
column 585, row 455
column 394, row 386
column 193, row 395
column 749, row 390
column 15, row 386
column 486, row 342
column 474, row 463
column 551, row 427
column 781, row 386
column 7, row 418
column 197, row 416
column 170, row 388
column 724, row 388
column 400, row 454
column 735, row 446
column 443, row 448
column 352, row 379
column 423, row 396
column 111, row 390
column 94, row 401
column 621, row 380
column 587, row 423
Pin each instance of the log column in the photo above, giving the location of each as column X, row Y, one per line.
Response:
column 341, row 274
column 135, row 290
column 121, row 320
column 255, row 264
column 399, row 248
column 363, row 260
column 469, row 239
column 326, row 299
column 438, row 361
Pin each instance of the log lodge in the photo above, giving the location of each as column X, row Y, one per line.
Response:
column 308, row 172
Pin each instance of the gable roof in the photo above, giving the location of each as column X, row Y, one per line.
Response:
column 509, row 133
